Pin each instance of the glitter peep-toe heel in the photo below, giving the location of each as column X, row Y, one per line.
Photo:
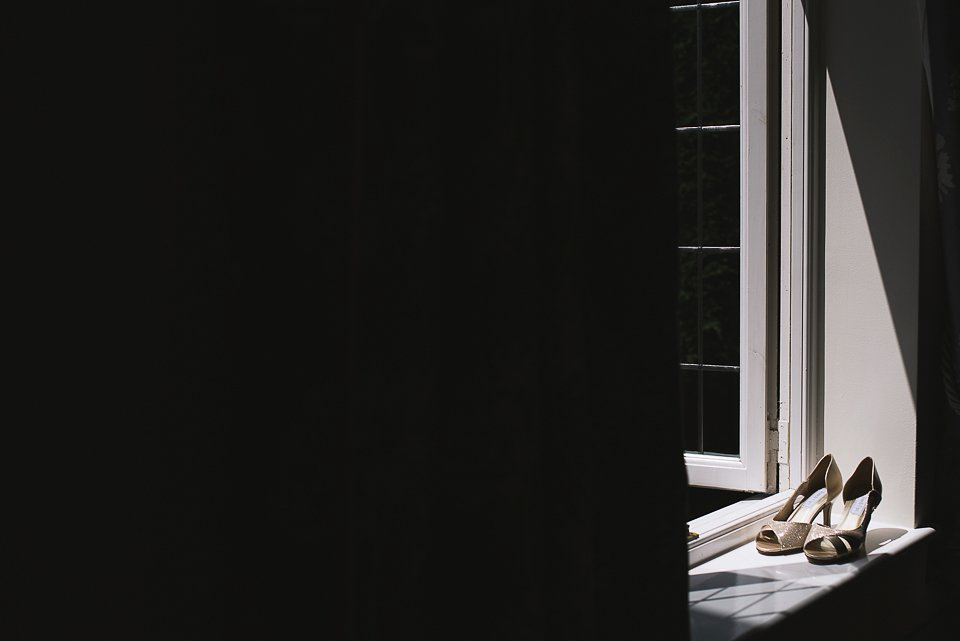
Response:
column 861, row 496
column 789, row 528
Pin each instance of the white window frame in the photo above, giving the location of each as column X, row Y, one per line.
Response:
column 795, row 436
column 749, row 470
column 799, row 430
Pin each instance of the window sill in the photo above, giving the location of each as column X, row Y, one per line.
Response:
column 731, row 526
column 742, row 592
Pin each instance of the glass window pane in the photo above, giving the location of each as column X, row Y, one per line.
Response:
column 685, row 67
column 721, row 412
column 690, row 409
column 721, row 308
column 687, row 187
column 721, row 188
column 720, row 65
column 707, row 92
column 687, row 307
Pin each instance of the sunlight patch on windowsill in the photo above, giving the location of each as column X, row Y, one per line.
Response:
column 743, row 591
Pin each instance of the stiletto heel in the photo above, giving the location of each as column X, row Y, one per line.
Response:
column 790, row 526
column 826, row 513
column 861, row 496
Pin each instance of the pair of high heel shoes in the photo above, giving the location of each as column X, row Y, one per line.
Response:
column 793, row 529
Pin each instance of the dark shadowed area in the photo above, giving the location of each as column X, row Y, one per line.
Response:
column 380, row 341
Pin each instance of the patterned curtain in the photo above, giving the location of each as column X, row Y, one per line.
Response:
column 940, row 22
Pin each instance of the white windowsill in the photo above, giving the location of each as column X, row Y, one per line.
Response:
column 730, row 526
column 742, row 591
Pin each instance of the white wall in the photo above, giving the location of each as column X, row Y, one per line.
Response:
column 872, row 165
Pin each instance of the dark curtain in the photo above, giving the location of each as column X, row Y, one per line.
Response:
column 940, row 21
column 380, row 340
column 943, row 83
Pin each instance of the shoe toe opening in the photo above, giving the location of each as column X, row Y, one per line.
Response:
column 828, row 547
column 768, row 541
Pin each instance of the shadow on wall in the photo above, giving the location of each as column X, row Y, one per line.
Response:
column 885, row 119
column 863, row 49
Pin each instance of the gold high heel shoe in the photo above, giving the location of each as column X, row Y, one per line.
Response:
column 790, row 526
column 861, row 496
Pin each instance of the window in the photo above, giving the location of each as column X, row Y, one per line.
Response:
column 721, row 96
column 829, row 272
